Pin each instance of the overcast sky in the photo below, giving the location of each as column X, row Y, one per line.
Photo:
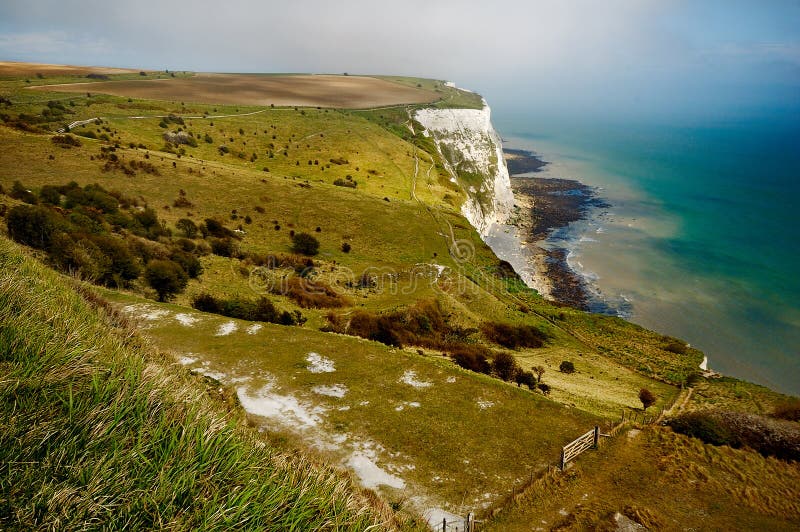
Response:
column 564, row 53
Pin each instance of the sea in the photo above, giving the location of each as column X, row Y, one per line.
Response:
column 700, row 240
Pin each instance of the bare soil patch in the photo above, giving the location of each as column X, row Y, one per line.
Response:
column 253, row 89
column 15, row 68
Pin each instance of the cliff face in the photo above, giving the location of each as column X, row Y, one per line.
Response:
column 473, row 154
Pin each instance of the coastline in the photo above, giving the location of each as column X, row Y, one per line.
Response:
column 546, row 209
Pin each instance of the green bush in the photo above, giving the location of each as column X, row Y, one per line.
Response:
column 21, row 192
column 305, row 244
column 188, row 262
column 513, row 336
column 166, row 277
column 187, row 227
column 566, row 367
column 33, row 225
column 505, row 366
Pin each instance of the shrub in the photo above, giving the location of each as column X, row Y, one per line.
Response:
column 224, row 247
column 704, row 426
column 312, row 294
column 544, row 388
column 566, row 367
column 527, row 378
column 215, row 228
column 538, row 371
column 166, row 277
column 471, row 360
column 187, row 227
column 305, row 244
column 647, row 398
column 513, row 336
column 66, row 141
column 505, row 366
column 21, row 192
column 675, row 346
column 261, row 309
column 122, row 264
column 790, row 410
column 339, row 182
column 188, row 262
column 49, row 194
column 33, row 225
column 346, row 247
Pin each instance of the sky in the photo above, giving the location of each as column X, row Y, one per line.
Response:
column 615, row 56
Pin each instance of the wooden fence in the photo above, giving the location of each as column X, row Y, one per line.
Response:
column 458, row 525
column 580, row 444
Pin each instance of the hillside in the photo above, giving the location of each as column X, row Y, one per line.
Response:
column 323, row 268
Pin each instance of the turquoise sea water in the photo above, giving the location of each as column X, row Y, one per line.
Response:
column 701, row 240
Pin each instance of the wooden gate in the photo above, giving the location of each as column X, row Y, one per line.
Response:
column 580, row 444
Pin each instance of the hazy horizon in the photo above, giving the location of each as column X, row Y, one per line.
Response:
column 619, row 59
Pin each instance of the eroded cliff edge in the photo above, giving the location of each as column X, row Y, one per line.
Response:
column 472, row 153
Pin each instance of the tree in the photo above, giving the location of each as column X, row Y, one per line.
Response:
column 33, row 226
column 305, row 244
column 505, row 366
column 167, row 278
column 566, row 367
column 539, row 371
column 647, row 398
column 187, row 227
column 527, row 378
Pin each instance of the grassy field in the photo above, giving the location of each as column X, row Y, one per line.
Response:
column 252, row 89
column 453, row 438
column 663, row 481
column 440, row 435
column 97, row 428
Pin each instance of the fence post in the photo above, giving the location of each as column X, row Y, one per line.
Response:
column 444, row 524
column 562, row 459
column 596, row 436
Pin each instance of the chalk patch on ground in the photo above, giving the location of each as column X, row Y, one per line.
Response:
column 363, row 462
column 286, row 409
column 186, row 360
column 434, row 517
column 484, row 404
column 331, row 390
column 410, row 378
column 216, row 375
column 451, row 379
column 187, row 320
column 319, row 364
column 226, row 328
column 146, row 312
column 253, row 329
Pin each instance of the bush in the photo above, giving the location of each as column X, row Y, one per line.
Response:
column 527, row 378
column 188, row 262
column 790, row 410
column 261, row 309
column 305, row 244
column 166, row 277
column 345, row 183
column 66, row 141
column 647, row 398
column 49, row 194
column 566, row 367
column 472, row 360
column 346, row 247
column 216, row 229
column 187, row 227
column 224, row 247
column 544, row 388
column 505, row 366
column 21, row 192
column 675, row 346
column 33, row 225
column 513, row 336
column 312, row 294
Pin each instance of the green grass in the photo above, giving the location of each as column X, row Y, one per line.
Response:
column 449, row 450
column 664, row 481
column 98, row 430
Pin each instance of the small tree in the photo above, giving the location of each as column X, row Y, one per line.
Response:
column 647, row 398
column 566, row 367
column 346, row 247
column 527, row 378
column 167, row 278
column 538, row 371
column 305, row 244
column 505, row 366
column 187, row 227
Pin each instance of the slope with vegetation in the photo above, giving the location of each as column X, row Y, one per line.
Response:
column 315, row 263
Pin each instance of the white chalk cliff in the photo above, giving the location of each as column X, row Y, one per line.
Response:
column 472, row 152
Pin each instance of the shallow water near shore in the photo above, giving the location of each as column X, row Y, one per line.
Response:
column 699, row 241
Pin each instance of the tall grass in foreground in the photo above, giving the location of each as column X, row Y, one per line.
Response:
column 97, row 432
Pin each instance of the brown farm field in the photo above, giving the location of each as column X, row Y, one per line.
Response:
column 354, row 92
column 14, row 68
